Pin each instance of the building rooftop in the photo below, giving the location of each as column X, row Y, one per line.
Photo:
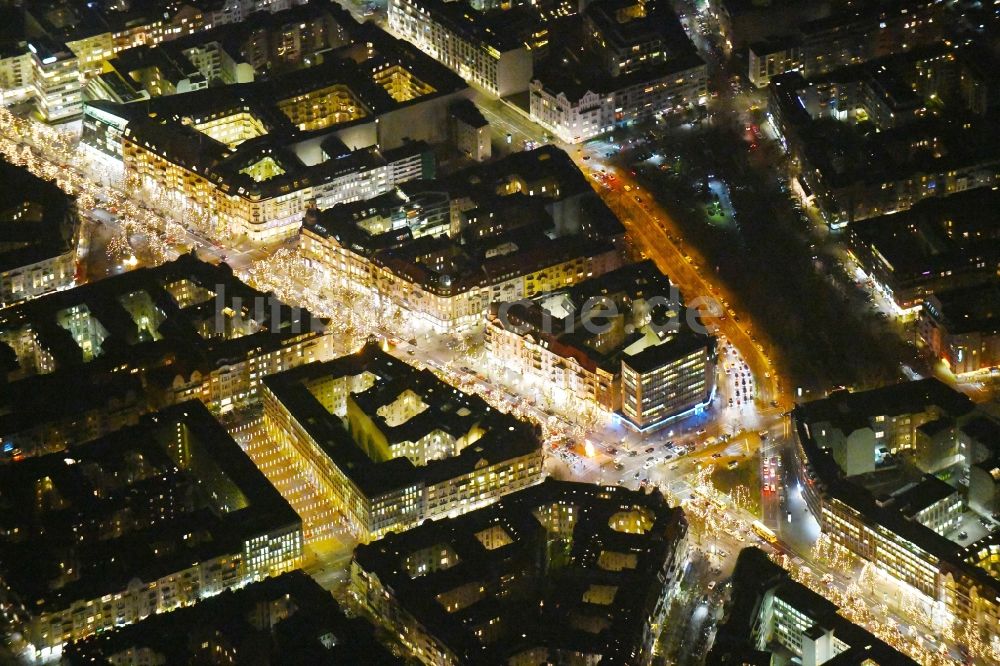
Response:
column 624, row 24
column 42, row 401
column 174, row 319
column 140, row 503
column 355, row 86
column 756, row 577
column 891, row 400
column 302, row 624
column 917, row 496
column 934, row 236
column 969, row 309
column 37, row 220
column 560, row 567
column 486, row 29
column 984, row 431
column 518, row 222
column 739, row 7
column 849, row 154
column 853, row 410
column 467, row 112
column 571, row 323
column 656, row 355
column 924, row 133
column 576, row 64
column 405, row 406
column 586, row 74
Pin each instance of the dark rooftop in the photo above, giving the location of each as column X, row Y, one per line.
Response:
column 970, row 309
column 936, row 235
column 756, row 577
column 447, row 408
column 523, row 196
column 131, row 505
column 850, row 411
column 545, row 602
column 163, row 322
column 37, row 220
column 314, row 630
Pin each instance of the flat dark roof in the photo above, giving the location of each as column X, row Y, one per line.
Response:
column 936, row 235
column 37, row 220
column 850, row 410
column 656, row 356
column 971, row 309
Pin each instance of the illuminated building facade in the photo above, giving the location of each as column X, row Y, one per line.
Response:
column 933, row 139
column 853, row 36
column 142, row 521
column 66, row 43
column 264, row 43
column 962, row 327
column 908, row 533
column 16, row 79
column 938, row 246
column 189, row 329
column 576, row 113
column 464, row 41
column 254, row 157
column 56, row 77
column 668, row 380
column 769, row 613
column 629, row 61
column 557, row 572
column 143, row 72
column 517, row 227
column 392, row 446
column 286, row 619
column 620, row 340
column 39, row 224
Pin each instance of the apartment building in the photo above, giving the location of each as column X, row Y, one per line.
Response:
column 465, row 41
column 39, row 227
column 937, row 246
column 621, row 341
column 960, row 327
column 908, row 533
column 553, row 573
column 624, row 61
column 188, row 329
column 283, row 619
column 392, row 446
column 254, row 157
column 163, row 514
column 770, row 614
column 864, row 32
column 60, row 46
column 931, row 142
column 517, row 227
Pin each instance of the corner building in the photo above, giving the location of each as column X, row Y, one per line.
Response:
column 392, row 446
column 145, row 520
column 564, row 573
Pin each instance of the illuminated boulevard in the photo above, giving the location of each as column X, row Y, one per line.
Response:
column 596, row 447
